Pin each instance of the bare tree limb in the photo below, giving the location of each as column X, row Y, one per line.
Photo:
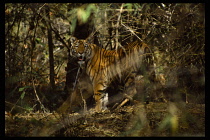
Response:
column 131, row 30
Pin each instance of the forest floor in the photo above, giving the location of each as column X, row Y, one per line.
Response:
column 153, row 119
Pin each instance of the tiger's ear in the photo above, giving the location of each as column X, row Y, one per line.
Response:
column 90, row 40
column 72, row 40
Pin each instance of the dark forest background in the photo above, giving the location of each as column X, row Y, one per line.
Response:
column 37, row 47
column 38, row 68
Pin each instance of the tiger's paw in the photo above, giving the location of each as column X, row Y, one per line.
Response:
column 104, row 101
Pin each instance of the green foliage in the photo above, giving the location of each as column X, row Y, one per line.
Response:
column 128, row 5
column 84, row 14
column 73, row 25
column 23, row 88
column 23, row 91
column 81, row 14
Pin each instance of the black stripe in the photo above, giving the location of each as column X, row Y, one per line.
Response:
column 101, row 52
column 94, row 64
column 90, row 62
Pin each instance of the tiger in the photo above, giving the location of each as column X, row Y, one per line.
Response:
column 103, row 65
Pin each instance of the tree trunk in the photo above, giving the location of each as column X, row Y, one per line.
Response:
column 50, row 45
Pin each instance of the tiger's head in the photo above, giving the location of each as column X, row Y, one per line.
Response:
column 80, row 49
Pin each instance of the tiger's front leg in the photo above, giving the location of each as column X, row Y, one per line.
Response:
column 101, row 98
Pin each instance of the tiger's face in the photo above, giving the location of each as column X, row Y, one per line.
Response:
column 80, row 49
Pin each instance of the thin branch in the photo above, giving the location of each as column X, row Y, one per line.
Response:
column 131, row 30
column 117, row 26
column 42, row 106
column 101, row 26
column 15, row 105
column 41, row 8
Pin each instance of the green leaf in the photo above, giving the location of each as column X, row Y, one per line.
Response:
column 22, row 95
column 21, row 89
column 128, row 5
column 38, row 40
